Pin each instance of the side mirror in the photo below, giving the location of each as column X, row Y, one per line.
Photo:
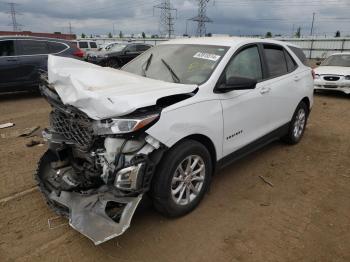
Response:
column 237, row 83
column 126, row 52
column 318, row 63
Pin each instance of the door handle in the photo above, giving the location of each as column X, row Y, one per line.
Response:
column 265, row 90
column 296, row 78
column 12, row 59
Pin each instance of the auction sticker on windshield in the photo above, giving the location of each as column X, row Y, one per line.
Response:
column 207, row 56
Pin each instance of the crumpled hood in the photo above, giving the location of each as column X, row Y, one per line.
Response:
column 332, row 70
column 102, row 92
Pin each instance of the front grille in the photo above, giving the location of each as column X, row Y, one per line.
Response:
column 331, row 78
column 75, row 126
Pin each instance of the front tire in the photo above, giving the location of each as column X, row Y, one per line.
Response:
column 297, row 125
column 182, row 179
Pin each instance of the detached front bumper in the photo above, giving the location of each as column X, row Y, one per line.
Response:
column 105, row 211
column 87, row 213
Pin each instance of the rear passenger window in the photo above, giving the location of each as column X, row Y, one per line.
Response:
column 32, row 47
column 142, row 48
column 245, row 64
column 93, row 45
column 7, row 48
column 56, row 47
column 131, row 48
column 83, row 45
column 275, row 60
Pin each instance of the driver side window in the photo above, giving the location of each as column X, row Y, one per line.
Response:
column 245, row 64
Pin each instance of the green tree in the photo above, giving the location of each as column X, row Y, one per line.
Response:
column 143, row 35
column 91, row 36
column 120, row 34
column 83, row 35
column 110, row 35
column 268, row 35
column 298, row 32
column 337, row 34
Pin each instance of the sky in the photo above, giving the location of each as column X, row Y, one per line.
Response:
column 233, row 17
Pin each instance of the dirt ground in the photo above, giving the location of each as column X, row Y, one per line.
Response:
column 305, row 216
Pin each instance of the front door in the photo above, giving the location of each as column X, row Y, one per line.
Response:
column 245, row 119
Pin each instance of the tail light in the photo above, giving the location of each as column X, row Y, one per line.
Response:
column 313, row 74
column 78, row 52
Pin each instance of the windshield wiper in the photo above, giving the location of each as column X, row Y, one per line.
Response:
column 148, row 63
column 173, row 75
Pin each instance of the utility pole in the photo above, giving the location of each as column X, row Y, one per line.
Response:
column 70, row 28
column 166, row 21
column 13, row 13
column 312, row 24
column 202, row 18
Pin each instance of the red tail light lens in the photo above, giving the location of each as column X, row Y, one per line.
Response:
column 78, row 53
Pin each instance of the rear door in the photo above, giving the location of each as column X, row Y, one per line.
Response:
column 32, row 56
column 8, row 63
column 282, row 85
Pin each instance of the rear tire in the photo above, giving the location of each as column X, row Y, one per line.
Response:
column 297, row 125
column 182, row 178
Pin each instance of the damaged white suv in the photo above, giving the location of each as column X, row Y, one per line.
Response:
column 163, row 124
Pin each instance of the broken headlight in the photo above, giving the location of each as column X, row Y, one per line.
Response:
column 123, row 126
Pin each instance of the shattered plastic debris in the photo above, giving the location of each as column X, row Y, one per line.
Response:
column 28, row 131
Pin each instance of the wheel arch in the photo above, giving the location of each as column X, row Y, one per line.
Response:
column 208, row 143
column 306, row 100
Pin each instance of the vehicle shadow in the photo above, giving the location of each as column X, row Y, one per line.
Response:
column 19, row 96
column 330, row 93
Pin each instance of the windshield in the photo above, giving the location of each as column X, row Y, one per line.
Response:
column 179, row 63
column 337, row 60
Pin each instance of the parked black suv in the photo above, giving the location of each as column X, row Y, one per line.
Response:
column 21, row 58
column 118, row 55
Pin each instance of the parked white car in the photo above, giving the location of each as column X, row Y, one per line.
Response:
column 334, row 73
column 163, row 125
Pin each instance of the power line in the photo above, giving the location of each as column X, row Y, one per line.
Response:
column 202, row 18
column 15, row 26
column 166, row 21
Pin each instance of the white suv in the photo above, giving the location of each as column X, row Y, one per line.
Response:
column 163, row 125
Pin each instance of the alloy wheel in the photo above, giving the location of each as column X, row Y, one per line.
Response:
column 188, row 180
column 299, row 123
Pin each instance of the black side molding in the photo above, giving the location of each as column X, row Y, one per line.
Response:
column 257, row 144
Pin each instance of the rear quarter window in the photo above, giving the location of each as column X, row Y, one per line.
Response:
column 83, row 45
column 55, row 47
column 300, row 54
column 93, row 45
